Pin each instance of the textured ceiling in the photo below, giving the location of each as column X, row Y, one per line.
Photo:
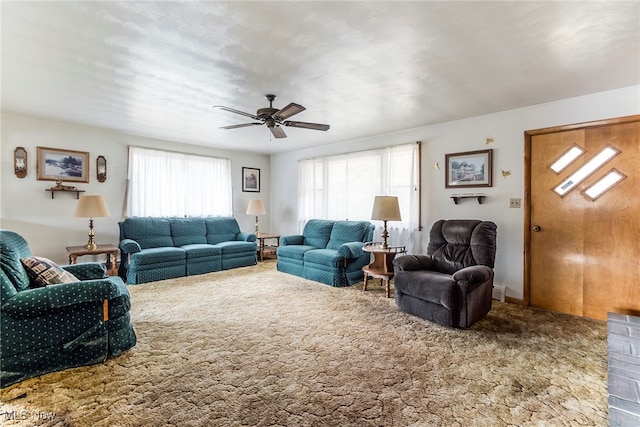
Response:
column 157, row 68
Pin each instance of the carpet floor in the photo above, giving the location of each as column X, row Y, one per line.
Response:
column 256, row 347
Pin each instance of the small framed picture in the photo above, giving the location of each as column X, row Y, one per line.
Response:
column 54, row 164
column 251, row 180
column 468, row 169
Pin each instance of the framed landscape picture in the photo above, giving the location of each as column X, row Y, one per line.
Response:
column 65, row 165
column 251, row 180
column 468, row 169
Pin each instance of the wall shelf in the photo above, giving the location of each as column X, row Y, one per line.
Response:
column 456, row 197
column 53, row 192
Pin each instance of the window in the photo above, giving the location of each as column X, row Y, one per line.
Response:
column 344, row 186
column 164, row 183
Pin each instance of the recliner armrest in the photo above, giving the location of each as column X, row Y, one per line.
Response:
column 129, row 246
column 247, row 237
column 87, row 270
column 294, row 239
column 351, row 250
column 413, row 262
column 37, row 302
column 473, row 274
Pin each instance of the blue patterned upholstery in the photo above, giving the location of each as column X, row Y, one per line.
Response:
column 327, row 251
column 165, row 248
column 51, row 328
column 187, row 231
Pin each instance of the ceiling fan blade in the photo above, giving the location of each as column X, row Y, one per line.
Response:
column 240, row 125
column 314, row 126
column 288, row 111
column 278, row 132
column 232, row 110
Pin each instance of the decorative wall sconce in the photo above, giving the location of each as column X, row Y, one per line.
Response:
column 101, row 169
column 20, row 162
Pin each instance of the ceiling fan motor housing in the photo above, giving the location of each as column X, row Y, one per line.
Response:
column 263, row 113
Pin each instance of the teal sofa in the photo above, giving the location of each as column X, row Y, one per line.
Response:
column 153, row 248
column 327, row 251
column 58, row 326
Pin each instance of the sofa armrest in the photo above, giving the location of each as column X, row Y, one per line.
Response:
column 129, row 246
column 37, row 302
column 87, row 270
column 247, row 237
column 473, row 274
column 413, row 262
column 351, row 250
column 294, row 239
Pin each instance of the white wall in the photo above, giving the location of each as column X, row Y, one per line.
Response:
column 49, row 225
column 507, row 128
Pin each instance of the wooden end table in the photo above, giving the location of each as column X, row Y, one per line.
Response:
column 382, row 265
column 263, row 249
column 111, row 251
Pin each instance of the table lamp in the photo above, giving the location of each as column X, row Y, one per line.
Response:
column 256, row 207
column 91, row 206
column 386, row 208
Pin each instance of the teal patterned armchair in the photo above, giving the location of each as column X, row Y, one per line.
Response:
column 54, row 327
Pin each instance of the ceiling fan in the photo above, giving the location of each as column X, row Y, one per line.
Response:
column 274, row 118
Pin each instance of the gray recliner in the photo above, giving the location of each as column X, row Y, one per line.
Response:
column 453, row 283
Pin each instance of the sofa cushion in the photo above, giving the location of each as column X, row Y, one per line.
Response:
column 221, row 229
column 158, row 255
column 317, row 232
column 148, row 232
column 186, row 231
column 347, row 231
column 199, row 250
column 293, row 251
column 236, row 247
column 323, row 257
column 43, row 272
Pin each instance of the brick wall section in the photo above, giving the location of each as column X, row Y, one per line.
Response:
column 623, row 344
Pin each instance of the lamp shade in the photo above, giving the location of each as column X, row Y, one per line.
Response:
column 386, row 208
column 91, row 206
column 256, row 207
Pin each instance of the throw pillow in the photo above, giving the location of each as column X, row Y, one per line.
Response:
column 43, row 272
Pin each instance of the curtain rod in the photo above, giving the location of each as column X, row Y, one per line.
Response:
column 177, row 152
column 360, row 151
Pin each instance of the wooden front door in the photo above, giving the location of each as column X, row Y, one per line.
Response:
column 583, row 251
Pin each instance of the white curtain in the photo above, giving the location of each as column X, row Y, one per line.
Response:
column 164, row 183
column 343, row 187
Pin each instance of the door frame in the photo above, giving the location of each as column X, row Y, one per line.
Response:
column 528, row 134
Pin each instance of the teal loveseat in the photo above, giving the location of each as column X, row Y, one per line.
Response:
column 327, row 251
column 154, row 248
column 58, row 326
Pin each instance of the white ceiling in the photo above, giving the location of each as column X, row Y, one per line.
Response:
column 366, row 68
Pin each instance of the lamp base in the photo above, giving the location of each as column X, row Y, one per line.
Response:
column 91, row 244
column 257, row 232
column 385, row 236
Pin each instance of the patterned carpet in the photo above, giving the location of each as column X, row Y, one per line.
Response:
column 255, row 347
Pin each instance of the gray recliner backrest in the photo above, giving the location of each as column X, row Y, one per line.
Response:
column 458, row 243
